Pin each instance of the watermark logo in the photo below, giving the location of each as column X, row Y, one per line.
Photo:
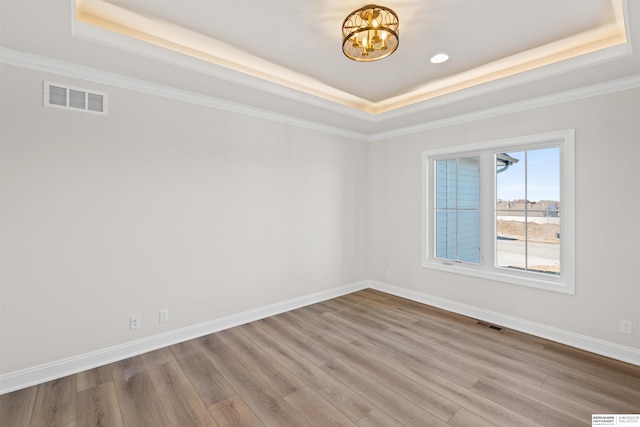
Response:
column 625, row 420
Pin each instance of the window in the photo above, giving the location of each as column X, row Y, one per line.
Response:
column 457, row 209
column 528, row 210
column 503, row 210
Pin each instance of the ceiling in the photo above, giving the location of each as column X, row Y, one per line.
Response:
column 285, row 55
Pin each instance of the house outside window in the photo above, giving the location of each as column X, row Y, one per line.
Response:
column 457, row 209
column 503, row 210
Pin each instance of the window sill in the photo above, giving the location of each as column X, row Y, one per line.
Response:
column 532, row 280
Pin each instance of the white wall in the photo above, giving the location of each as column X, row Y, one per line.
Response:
column 608, row 252
column 162, row 204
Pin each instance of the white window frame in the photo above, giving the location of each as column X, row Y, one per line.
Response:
column 565, row 281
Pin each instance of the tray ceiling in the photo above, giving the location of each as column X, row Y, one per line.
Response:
column 296, row 44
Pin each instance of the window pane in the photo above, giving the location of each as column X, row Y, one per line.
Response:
column 469, row 183
column 528, row 210
column 543, row 246
column 446, row 183
column 446, row 232
column 510, row 241
column 457, row 195
column 510, row 182
column 543, row 178
column 469, row 236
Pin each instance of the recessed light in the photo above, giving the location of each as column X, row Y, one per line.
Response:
column 439, row 58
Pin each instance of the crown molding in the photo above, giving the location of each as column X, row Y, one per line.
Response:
column 51, row 65
column 68, row 69
column 324, row 97
column 626, row 83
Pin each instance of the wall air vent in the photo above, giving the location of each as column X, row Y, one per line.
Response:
column 73, row 98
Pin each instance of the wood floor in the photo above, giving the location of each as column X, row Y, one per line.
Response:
column 364, row 359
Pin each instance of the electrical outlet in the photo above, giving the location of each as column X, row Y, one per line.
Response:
column 626, row 326
column 135, row 322
column 164, row 315
column 388, row 274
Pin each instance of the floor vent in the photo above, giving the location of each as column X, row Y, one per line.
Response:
column 490, row 326
column 73, row 98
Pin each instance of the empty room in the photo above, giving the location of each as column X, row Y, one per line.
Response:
column 319, row 213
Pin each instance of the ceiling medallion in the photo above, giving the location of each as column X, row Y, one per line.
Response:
column 370, row 33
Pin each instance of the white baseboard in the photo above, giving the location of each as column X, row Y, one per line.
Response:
column 72, row 365
column 61, row 368
column 593, row 345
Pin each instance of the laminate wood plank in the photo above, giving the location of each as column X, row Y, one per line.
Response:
column 582, row 374
column 378, row 418
column 315, row 309
column 508, row 356
column 55, row 403
column 399, row 354
column 405, row 411
column 279, row 327
column 526, row 407
column 139, row 401
column 327, row 328
column 342, row 303
column 465, row 418
column 347, row 401
column 604, row 367
column 627, row 398
column 340, row 323
column 181, row 403
column 560, row 402
column 98, row 406
column 94, row 377
column 400, row 384
column 269, row 406
column 459, row 396
column 464, row 363
column 482, row 406
column 587, row 396
column 431, row 335
column 16, row 407
column 391, row 316
column 507, row 338
column 234, row 412
column 411, row 363
column 366, row 359
column 206, row 379
column 452, row 392
column 185, row 349
column 359, row 318
column 508, row 359
column 279, row 378
column 446, row 319
column 317, row 411
column 595, row 371
column 157, row 357
column 332, row 305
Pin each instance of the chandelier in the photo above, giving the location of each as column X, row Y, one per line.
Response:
column 370, row 33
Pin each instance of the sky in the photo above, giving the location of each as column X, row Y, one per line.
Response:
column 543, row 172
